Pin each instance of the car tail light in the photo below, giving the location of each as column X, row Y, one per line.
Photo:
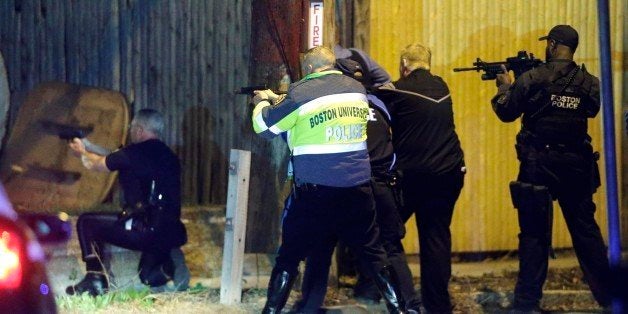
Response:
column 10, row 264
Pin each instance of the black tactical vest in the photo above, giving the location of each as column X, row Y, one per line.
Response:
column 559, row 114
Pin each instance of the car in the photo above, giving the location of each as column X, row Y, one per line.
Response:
column 24, row 285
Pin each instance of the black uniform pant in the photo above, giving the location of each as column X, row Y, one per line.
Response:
column 432, row 198
column 320, row 214
column 95, row 229
column 391, row 231
column 570, row 174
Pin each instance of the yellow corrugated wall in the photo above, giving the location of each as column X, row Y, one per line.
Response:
column 458, row 31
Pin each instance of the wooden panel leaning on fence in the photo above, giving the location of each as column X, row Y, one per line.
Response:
column 36, row 167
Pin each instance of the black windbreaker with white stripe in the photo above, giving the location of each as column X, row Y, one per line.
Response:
column 424, row 135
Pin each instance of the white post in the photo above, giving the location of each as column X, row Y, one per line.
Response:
column 235, row 227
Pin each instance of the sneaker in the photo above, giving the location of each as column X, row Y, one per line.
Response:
column 93, row 283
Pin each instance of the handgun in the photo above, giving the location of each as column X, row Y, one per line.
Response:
column 248, row 90
column 65, row 131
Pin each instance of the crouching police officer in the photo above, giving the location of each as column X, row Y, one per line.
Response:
column 149, row 175
column 557, row 162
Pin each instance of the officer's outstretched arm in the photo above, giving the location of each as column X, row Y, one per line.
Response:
column 96, row 149
column 271, row 118
column 90, row 160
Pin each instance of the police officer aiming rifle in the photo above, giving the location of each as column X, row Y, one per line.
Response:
column 555, row 101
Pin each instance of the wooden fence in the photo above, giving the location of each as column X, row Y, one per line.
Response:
column 184, row 58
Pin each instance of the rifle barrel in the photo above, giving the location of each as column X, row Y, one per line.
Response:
column 468, row 69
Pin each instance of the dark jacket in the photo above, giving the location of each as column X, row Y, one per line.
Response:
column 138, row 165
column 424, row 135
column 379, row 140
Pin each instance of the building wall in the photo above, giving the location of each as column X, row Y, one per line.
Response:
column 458, row 32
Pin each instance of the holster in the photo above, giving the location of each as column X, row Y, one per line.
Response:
column 393, row 180
column 142, row 215
column 527, row 197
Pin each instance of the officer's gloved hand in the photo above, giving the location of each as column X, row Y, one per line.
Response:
column 260, row 95
column 503, row 78
column 271, row 95
column 77, row 146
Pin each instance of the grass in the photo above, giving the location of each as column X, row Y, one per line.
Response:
column 85, row 303
column 197, row 299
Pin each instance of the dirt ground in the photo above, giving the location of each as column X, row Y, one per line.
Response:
column 565, row 292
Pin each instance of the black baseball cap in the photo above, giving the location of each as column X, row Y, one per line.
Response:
column 350, row 68
column 564, row 35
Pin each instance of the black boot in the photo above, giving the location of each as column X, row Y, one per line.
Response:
column 94, row 283
column 386, row 282
column 278, row 291
column 180, row 272
column 365, row 290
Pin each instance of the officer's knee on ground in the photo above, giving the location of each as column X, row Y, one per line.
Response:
column 157, row 269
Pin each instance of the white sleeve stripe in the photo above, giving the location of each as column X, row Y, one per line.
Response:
column 260, row 122
column 263, row 127
column 415, row 94
column 275, row 129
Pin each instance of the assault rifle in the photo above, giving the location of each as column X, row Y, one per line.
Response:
column 518, row 64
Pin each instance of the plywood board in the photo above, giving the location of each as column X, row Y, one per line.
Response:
column 37, row 168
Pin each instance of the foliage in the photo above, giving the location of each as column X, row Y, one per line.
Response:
column 85, row 303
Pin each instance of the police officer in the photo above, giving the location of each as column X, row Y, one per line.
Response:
column 325, row 115
column 373, row 75
column 384, row 183
column 149, row 174
column 432, row 164
column 557, row 162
